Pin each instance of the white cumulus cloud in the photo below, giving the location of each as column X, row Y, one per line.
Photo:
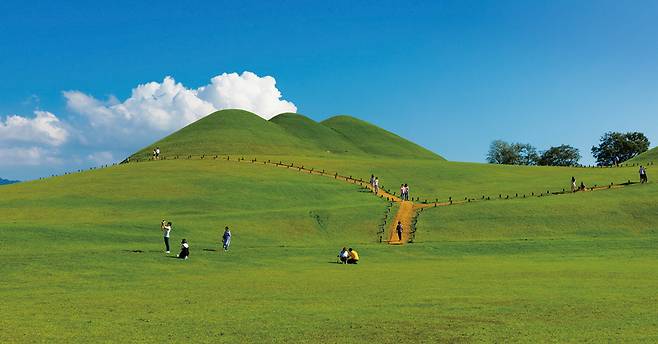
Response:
column 27, row 156
column 44, row 128
column 170, row 105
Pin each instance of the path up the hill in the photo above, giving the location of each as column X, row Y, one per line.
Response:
column 404, row 215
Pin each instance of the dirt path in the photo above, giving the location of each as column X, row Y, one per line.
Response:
column 404, row 215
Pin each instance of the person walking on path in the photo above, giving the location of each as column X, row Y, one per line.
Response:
column 376, row 186
column 166, row 231
column 372, row 180
column 406, row 192
column 226, row 239
column 402, row 191
column 643, row 175
column 399, row 230
column 573, row 184
column 184, row 249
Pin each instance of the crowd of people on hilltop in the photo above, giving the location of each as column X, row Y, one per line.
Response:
column 166, row 227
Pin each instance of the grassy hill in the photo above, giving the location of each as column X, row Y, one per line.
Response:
column 376, row 141
column 228, row 132
column 650, row 156
column 322, row 138
column 239, row 132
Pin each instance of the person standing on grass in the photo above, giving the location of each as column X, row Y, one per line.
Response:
column 353, row 256
column 643, row 174
column 184, row 249
column 226, row 239
column 153, row 153
column 399, row 230
column 573, row 184
column 166, row 231
column 376, row 186
column 157, row 153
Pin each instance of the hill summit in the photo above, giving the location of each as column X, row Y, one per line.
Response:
column 233, row 132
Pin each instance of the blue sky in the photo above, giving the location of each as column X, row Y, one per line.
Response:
column 449, row 75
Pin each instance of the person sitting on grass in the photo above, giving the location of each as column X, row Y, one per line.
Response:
column 582, row 187
column 353, row 256
column 343, row 255
column 184, row 249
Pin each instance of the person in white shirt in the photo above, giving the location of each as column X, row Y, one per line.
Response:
column 343, row 255
column 157, row 153
column 376, row 185
column 166, row 230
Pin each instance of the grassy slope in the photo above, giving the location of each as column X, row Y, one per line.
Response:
column 228, row 132
column 571, row 268
column 431, row 179
column 472, row 276
column 649, row 156
column 376, row 141
column 312, row 133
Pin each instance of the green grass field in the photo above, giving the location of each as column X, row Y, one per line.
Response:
column 83, row 255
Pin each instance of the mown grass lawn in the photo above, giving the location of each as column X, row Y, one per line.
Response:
column 568, row 268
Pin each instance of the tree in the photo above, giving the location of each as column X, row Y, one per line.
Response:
column 501, row 152
column 621, row 145
column 527, row 154
column 563, row 155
